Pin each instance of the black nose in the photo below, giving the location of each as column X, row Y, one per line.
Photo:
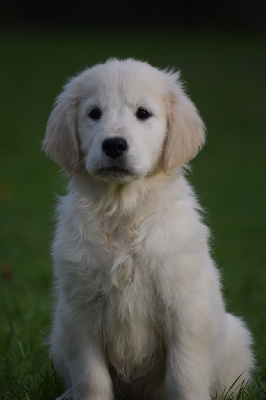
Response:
column 114, row 147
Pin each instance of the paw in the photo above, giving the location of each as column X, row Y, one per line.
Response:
column 66, row 396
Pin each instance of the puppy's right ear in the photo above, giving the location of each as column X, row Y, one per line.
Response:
column 61, row 141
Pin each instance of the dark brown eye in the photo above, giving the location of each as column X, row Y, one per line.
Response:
column 95, row 113
column 143, row 114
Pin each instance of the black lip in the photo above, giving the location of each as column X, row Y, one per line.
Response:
column 116, row 169
column 115, row 172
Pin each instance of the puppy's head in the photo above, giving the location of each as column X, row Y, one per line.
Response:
column 123, row 120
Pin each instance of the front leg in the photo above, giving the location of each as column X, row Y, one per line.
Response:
column 84, row 360
column 89, row 373
column 188, row 362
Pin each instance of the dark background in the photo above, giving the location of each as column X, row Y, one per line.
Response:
column 233, row 15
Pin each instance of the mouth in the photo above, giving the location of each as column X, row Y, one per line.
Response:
column 115, row 174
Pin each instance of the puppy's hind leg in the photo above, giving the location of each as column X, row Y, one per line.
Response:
column 235, row 360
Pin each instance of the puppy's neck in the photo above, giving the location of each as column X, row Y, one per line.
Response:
column 127, row 199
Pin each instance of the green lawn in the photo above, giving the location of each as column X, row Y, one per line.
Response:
column 225, row 75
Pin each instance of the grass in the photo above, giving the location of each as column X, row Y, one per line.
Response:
column 225, row 76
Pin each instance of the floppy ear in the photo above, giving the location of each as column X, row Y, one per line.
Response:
column 61, row 141
column 186, row 133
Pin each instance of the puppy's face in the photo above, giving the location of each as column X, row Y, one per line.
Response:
column 122, row 126
column 123, row 120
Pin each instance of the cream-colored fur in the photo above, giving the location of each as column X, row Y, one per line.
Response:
column 139, row 312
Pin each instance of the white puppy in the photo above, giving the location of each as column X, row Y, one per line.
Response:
column 139, row 311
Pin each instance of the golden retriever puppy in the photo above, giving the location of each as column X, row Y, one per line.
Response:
column 139, row 310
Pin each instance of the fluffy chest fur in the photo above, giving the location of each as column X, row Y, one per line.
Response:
column 109, row 261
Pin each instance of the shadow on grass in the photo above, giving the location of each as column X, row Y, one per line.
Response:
column 40, row 385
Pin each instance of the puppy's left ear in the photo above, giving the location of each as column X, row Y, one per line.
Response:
column 186, row 132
